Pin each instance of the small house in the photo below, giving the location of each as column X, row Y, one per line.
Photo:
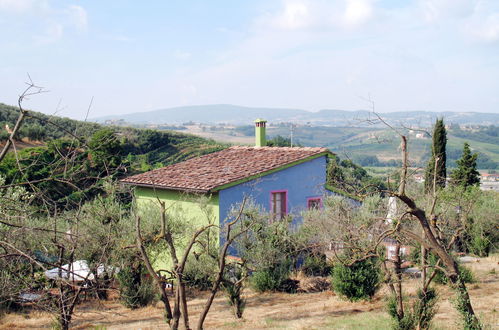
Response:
column 281, row 180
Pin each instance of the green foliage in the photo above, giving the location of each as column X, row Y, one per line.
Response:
column 275, row 278
column 199, row 272
column 38, row 126
column 136, row 290
column 438, row 152
column 425, row 308
column 351, row 178
column 466, row 275
column 419, row 316
column 357, row 281
column 468, row 321
column 440, row 277
column 280, row 141
column 466, row 173
column 105, row 150
column 480, row 243
column 407, row 322
column 316, row 264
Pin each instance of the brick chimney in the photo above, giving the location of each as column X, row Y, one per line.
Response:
column 260, row 139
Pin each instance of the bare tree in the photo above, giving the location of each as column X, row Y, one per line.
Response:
column 173, row 314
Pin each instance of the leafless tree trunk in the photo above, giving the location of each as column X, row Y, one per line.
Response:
column 428, row 240
column 157, row 279
column 32, row 89
column 229, row 239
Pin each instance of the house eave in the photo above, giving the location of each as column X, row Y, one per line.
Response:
column 155, row 186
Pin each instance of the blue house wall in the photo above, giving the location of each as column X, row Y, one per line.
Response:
column 302, row 181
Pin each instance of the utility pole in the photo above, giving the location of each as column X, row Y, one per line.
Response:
column 292, row 131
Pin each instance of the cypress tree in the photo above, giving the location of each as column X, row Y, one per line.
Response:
column 439, row 142
column 466, row 174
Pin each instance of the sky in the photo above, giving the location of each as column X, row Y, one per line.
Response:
column 123, row 56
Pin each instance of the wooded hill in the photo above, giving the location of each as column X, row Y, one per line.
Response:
column 72, row 159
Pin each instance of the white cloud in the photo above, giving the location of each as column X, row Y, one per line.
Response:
column 295, row 15
column 77, row 16
column 486, row 29
column 357, row 12
column 43, row 20
column 434, row 10
column 16, row 6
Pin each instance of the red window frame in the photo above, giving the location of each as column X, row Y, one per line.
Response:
column 283, row 201
column 314, row 203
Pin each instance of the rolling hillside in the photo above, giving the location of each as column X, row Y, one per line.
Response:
column 362, row 144
column 143, row 149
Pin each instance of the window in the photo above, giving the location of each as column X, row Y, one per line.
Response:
column 278, row 201
column 314, row 203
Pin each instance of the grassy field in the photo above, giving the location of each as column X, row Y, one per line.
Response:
column 323, row 310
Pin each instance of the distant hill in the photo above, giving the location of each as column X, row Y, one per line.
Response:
column 239, row 115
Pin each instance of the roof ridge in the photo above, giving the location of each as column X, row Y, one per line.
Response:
column 278, row 148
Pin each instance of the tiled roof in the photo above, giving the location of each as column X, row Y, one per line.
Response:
column 205, row 173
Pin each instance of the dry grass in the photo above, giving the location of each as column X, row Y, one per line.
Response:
column 280, row 310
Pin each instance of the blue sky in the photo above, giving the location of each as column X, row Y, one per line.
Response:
column 132, row 56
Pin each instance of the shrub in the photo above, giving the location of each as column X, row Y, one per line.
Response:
column 274, row 278
column 420, row 316
column 316, row 265
column 408, row 322
column 136, row 289
column 199, row 272
column 357, row 281
column 424, row 308
column 480, row 245
column 466, row 275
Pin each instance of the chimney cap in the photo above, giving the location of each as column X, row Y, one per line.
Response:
column 259, row 120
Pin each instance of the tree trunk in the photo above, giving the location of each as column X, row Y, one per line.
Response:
column 398, row 287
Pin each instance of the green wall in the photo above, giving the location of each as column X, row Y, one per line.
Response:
column 187, row 212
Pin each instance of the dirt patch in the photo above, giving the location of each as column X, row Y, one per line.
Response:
column 24, row 143
column 280, row 310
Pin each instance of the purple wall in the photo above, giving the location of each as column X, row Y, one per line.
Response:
column 301, row 182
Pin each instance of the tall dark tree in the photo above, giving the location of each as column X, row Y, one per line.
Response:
column 466, row 174
column 436, row 169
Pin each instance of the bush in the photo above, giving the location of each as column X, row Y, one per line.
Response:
column 425, row 308
column 440, row 277
column 316, row 265
column 199, row 272
column 136, row 289
column 466, row 275
column 480, row 245
column 408, row 322
column 420, row 316
column 275, row 278
column 358, row 281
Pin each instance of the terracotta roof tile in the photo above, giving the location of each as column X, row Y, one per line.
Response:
column 207, row 172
